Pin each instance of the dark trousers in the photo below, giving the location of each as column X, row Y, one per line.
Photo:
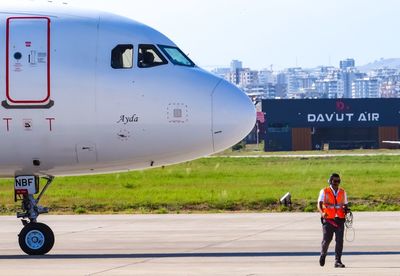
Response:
column 328, row 230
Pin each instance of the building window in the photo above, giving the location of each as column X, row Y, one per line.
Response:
column 149, row 56
column 122, row 56
column 278, row 127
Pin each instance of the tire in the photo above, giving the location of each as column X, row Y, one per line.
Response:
column 36, row 239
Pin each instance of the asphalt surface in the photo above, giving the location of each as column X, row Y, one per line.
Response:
column 209, row 244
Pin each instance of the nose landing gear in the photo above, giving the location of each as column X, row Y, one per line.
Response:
column 35, row 238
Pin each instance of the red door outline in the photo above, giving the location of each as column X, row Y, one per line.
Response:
column 7, row 61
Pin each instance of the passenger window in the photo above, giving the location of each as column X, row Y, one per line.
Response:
column 149, row 56
column 122, row 57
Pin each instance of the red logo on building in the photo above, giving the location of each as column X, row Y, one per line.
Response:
column 341, row 106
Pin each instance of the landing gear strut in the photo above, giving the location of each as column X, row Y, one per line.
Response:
column 35, row 238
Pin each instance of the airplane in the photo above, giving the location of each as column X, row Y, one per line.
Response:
column 90, row 92
column 391, row 142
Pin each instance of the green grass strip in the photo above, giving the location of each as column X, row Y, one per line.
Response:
column 224, row 184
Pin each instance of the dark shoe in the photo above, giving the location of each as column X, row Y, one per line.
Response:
column 339, row 264
column 322, row 260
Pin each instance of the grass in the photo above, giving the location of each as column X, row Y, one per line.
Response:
column 224, row 184
column 253, row 149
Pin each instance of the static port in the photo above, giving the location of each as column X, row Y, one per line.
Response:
column 36, row 163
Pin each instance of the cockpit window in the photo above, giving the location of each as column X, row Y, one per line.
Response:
column 122, row 56
column 149, row 56
column 176, row 56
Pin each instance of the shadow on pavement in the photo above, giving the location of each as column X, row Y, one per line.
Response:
column 190, row 255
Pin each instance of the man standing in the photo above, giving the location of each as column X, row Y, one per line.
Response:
column 332, row 204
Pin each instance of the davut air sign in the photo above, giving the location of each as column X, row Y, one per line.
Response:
column 332, row 112
column 342, row 117
column 342, row 114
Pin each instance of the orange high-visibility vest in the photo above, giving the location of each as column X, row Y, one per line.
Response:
column 333, row 206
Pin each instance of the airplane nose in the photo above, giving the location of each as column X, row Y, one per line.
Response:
column 234, row 116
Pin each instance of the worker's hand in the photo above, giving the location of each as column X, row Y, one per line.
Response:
column 324, row 215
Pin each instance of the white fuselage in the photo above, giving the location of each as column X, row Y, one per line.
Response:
column 65, row 110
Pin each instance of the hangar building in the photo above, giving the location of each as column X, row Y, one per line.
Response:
column 312, row 124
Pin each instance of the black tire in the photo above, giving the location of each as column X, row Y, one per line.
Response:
column 36, row 239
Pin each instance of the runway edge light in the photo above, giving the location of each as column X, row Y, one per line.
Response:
column 286, row 199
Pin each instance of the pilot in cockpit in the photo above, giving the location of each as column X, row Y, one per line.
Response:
column 146, row 59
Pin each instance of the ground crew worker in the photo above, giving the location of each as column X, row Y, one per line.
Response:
column 332, row 205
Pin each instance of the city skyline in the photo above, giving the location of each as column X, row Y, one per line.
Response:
column 343, row 81
column 392, row 63
column 284, row 33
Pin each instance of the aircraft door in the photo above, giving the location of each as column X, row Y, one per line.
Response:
column 27, row 63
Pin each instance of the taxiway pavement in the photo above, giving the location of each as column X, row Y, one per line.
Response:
column 202, row 244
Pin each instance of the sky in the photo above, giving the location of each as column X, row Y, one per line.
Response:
column 261, row 33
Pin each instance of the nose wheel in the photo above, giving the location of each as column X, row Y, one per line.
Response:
column 35, row 238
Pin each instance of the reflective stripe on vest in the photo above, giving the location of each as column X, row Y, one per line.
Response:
column 333, row 206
